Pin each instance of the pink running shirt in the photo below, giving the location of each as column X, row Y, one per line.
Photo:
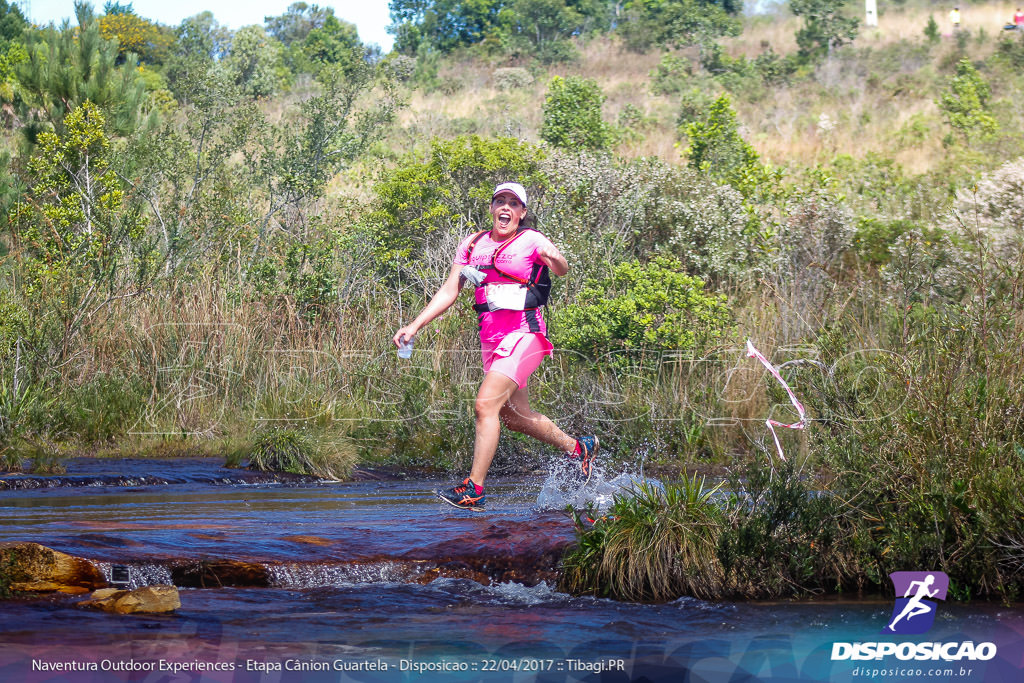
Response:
column 518, row 259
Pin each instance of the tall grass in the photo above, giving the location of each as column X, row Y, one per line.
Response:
column 653, row 545
column 297, row 451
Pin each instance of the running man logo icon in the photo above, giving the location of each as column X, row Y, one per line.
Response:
column 914, row 613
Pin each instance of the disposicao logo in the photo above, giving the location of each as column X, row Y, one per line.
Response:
column 913, row 614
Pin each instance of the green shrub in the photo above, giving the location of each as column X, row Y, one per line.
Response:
column 782, row 537
column 447, row 194
column 13, row 321
column 252, row 60
column 652, row 306
column 572, row 115
column 670, row 76
column 652, row 545
column 629, row 210
column 645, row 24
column 26, row 414
column 512, row 78
column 877, row 185
column 775, row 69
column 557, row 52
column 694, row 105
column 965, row 103
column 307, row 271
column 717, row 149
column 875, row 236
column 931, row 30
column 714, row 60
column 103, row 408
column 932, row 472
column 633, row 122
column 825, row 26
column 1010, row 50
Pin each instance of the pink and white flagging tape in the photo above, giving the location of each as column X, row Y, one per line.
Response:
column 772, row 424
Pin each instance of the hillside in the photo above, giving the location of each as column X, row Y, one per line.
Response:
column 879, row 93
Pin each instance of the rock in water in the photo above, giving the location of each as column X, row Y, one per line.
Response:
column 145, row 600
column 34, row 567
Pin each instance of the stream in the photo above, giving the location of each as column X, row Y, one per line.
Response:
column 288, row 578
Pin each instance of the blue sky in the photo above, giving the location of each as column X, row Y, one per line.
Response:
column 369, row 16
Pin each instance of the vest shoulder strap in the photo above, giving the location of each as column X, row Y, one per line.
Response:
column 476, row 238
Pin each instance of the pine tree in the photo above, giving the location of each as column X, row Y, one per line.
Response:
column 68, row 67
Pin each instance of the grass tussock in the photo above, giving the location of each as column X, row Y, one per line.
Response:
column 297, row 451
column 654, row 545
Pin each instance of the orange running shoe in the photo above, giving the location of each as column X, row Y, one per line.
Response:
column 463, row 496
column 589, row 446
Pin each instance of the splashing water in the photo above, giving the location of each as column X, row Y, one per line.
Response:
column 139, row 574
column 508, row 593
column 561, row 489
column 317, row 576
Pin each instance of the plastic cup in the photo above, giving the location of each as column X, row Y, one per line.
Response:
column 405, row 348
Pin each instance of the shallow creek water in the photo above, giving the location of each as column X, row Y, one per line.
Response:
column 291, row 579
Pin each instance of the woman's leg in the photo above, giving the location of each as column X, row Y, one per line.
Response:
column 493, row 394
column 519, row 417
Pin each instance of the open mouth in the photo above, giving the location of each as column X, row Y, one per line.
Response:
column 504, row 219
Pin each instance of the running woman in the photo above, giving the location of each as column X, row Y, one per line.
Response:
column 513, row 261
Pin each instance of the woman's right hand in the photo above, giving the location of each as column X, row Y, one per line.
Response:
column 441, row 301
column 409, row 331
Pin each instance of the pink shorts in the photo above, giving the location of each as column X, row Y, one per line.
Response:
column 517, row 355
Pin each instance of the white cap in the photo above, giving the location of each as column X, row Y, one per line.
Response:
column 515, row 188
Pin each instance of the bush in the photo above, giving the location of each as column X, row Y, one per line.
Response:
column 646, row 24
column 653, row 545
column 572, row 115
column 995, row 203
column 965, row 104
column 252, row 64
column 670, row 76
column 424, row 201
column 812, row 247
column 875, row 236
column 21, row 410
column 936, row 482
column 717, row 149
column 653, row 306
column 557, row 52
column 148, row 41
column 306, row 271
column 602, row 211
column 825, row 26
column 782, row 537
column 1011, row 50
column 512, row 78
column 714, row 60
column 931, row 30
column 104, row 408
column 713, row 233
column 694, row 105
column 775, row 69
